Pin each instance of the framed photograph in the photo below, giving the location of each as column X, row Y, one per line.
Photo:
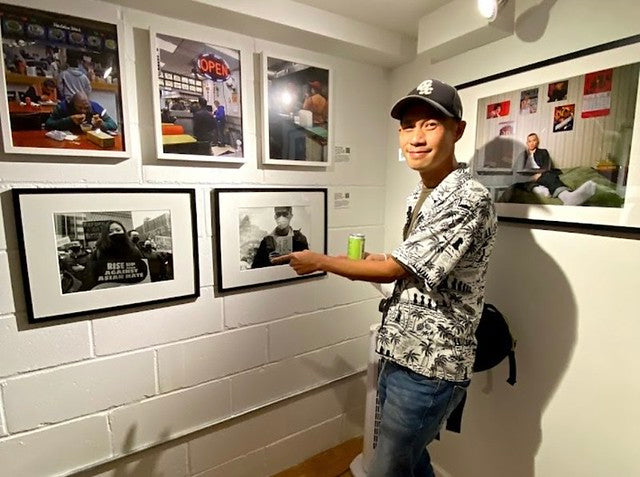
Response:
column 204, row 123
column 296, row 112
column 92, row 250
column 257, row 228
column 62, row 91
column 573, row 157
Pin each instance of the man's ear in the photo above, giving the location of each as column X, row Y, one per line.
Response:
column 460, row 129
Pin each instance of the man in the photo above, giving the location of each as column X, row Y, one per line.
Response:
column 545, row 181
column 427, row 336
column 45, row 91
column 73, row 266
column 69, row 115
column 281, row 241
column 221, row 119
column 316, row 103
column 73, row 80
column 203, row 122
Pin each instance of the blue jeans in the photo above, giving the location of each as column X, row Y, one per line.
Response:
column 413, row 408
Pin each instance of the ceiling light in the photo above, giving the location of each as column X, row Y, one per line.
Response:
column 489, row 8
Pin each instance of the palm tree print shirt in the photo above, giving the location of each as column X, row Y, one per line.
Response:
column 430, row 324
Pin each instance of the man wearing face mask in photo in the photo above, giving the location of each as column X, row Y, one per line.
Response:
column 281, row 241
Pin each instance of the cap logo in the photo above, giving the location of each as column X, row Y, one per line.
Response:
column 426, row 87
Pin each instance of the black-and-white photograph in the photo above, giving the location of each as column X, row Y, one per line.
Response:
column 114, row 248
column 256, row 230
column 91, row 250
column 267, row 233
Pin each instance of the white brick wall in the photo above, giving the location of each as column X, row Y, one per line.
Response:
column 158, row 325
column 99, row 390
column 56, row 449
column 301, row 297
column 299, row 447
column 89, row 387
column 34, row 348
column 211, row 357
column 284, row 378
column 161, row 461
column 6, row 298
column 249, row 465
column 167, row 416
column 292, row 336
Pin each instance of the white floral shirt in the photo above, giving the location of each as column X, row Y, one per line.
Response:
column 433, row 313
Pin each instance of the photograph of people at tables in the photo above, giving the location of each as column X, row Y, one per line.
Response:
column 62, row 80
column 298, row 110
column 200, row 97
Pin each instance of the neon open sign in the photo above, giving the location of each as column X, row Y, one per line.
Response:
column 212, row 67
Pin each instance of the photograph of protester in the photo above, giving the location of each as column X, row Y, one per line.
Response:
column 62, row 77
column 114, row 248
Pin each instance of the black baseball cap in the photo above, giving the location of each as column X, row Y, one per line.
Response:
column 435, row 93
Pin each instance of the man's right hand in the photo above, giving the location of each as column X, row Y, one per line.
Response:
column 77, row 118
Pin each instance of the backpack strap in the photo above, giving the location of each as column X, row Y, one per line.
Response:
column 454, row 421
column 512, row 366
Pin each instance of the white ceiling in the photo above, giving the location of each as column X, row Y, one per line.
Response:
column 400, row 16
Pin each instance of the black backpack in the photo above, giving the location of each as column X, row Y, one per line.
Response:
column 495, row 342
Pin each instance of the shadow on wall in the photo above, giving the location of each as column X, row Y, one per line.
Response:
column 501, row 431
column 136, row 465
column 532, row 23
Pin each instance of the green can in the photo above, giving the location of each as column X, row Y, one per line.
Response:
column 355, row 248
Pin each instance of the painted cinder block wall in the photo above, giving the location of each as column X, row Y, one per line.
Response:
column 245, row 384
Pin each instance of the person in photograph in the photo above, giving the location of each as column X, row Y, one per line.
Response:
column 204, row 124
column 221, row 120
column 558, row 91
column 545, row 182
column 69, row 115
column 495, row 111
column 73, row 80
column 316, row 103
column 73, row 267
column 426, row 339
column 114, row 246
column 281, row 241
column 42, row 92
column 134, row 235
column 157, row 268
column 165, row 114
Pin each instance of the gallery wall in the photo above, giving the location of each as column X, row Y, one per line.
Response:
column 570, row 294
column 203, row 375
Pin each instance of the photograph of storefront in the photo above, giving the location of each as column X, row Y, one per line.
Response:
column 200, row 97
column 62, row 81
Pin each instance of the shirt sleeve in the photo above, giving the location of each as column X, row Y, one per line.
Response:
column 432, row 251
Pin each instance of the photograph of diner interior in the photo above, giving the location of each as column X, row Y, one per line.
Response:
column 62, row 80
column 200, row 97
column 298, row 104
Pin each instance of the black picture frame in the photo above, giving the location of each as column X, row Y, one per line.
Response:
column 243, row 217
column 78, row 252
column 612, row 207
